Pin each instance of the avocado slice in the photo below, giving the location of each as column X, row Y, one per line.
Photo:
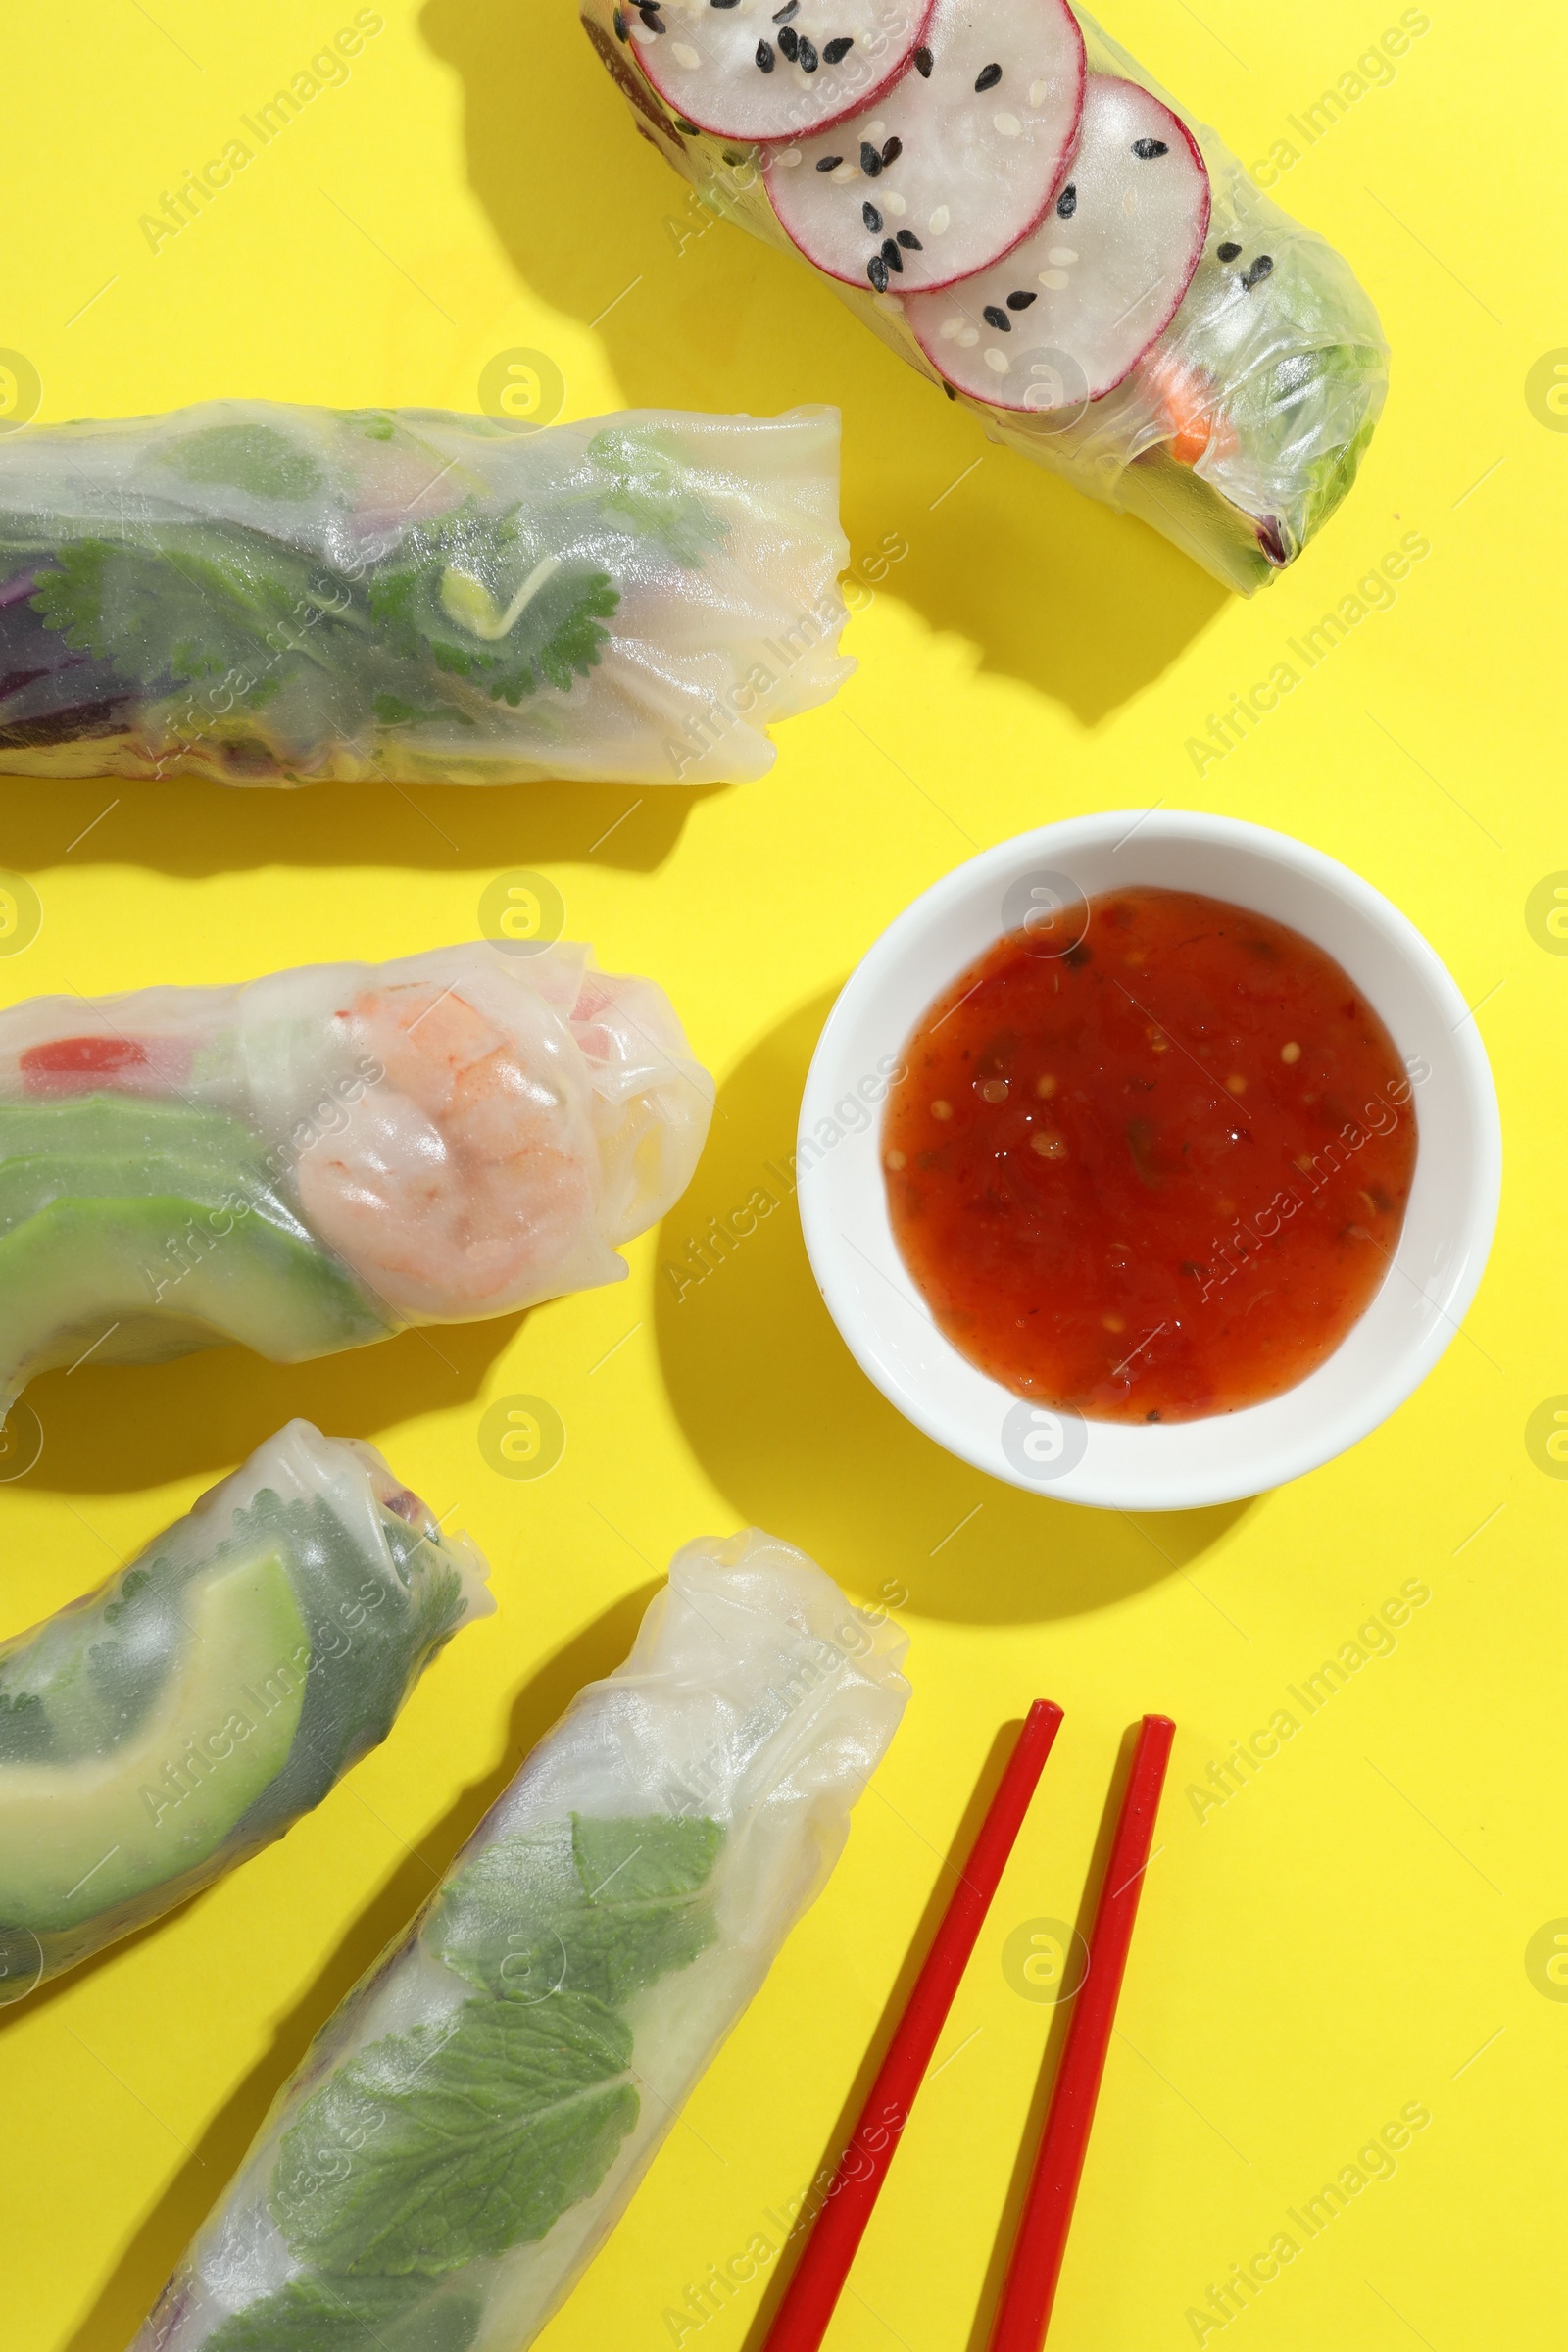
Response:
column 133, row 1278
column 125, row 1144
column 77, row 1838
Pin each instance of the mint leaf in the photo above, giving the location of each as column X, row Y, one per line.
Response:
column 352, row 2315
column 466, row 2137
column 603, row 1908
column 457, row 2139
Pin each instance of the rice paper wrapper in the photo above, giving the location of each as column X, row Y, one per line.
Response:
column 1236, row 435
column 163, row 1728
column 318, row 1159
column 466, row 2128
column 262, row 594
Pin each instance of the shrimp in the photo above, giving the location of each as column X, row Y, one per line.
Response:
column 465, row 1180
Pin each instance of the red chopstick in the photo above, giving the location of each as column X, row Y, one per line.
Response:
column 801, row 2321
column 1030, row 2288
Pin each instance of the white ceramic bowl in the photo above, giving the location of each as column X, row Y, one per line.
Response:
column 1165, row 1467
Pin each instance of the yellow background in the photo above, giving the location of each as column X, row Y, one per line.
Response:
column 1345, row 1936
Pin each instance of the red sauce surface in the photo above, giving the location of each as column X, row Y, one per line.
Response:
column 1159, row 1175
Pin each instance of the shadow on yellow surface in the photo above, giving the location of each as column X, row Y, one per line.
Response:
column 190, row 828
column 112, row 1430
column 797, row 1438
column 1085, row 605
column 140, row 2278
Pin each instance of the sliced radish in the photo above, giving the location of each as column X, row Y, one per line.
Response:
column 953, row 165
column 770, row 68
column 1067, row 314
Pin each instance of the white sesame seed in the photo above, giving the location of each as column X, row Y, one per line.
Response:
column 1129, row 203
column 685, row 54
column 952, row 326
column 969, row 337
column 846, row 171
column 894, row 203
column 1039, row 91
column 1008, row 126
column 1061, row 257
column 791, row 154
column 939, row 220
column 998, row 361
column 874, row 130
column 1053, row 279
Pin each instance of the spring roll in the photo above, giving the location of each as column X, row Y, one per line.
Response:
column 465, row 2130
column 318, row 1158
column 167, row 1727
column 261, row 594
column 1015, row 206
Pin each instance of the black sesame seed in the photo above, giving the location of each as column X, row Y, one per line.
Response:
column 1066, row 204
column 1258, row 270
column 876, row 270
column 1229, row 251
column 994, row 315
column 621, row 33
column 922, row 64
column 828, row 163
column 791, row 7
column 871, row 161
column 789, row 40
column 892, row 256
column 723, row 3
column 690, row 129
column 988, row 77
column 1022, row 300
column 891, row 152
column 837, row 50
column 909, row 241
column 947, row 389
column 807, row 56
column 764, row 57
column 1145, row 150
column 654, row 23
column 872, row 219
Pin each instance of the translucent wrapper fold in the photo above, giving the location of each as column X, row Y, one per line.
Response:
column 464, row 2132
column 165, row 1727
column 1236, row 435
column 261, row 594
column 315, row 1160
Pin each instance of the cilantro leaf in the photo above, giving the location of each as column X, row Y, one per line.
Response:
column 651, row 493
column 252, row 456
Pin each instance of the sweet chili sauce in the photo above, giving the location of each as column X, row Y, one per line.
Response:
column 1158, row 1175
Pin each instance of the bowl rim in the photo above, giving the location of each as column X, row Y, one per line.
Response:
column 1322, row 1438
